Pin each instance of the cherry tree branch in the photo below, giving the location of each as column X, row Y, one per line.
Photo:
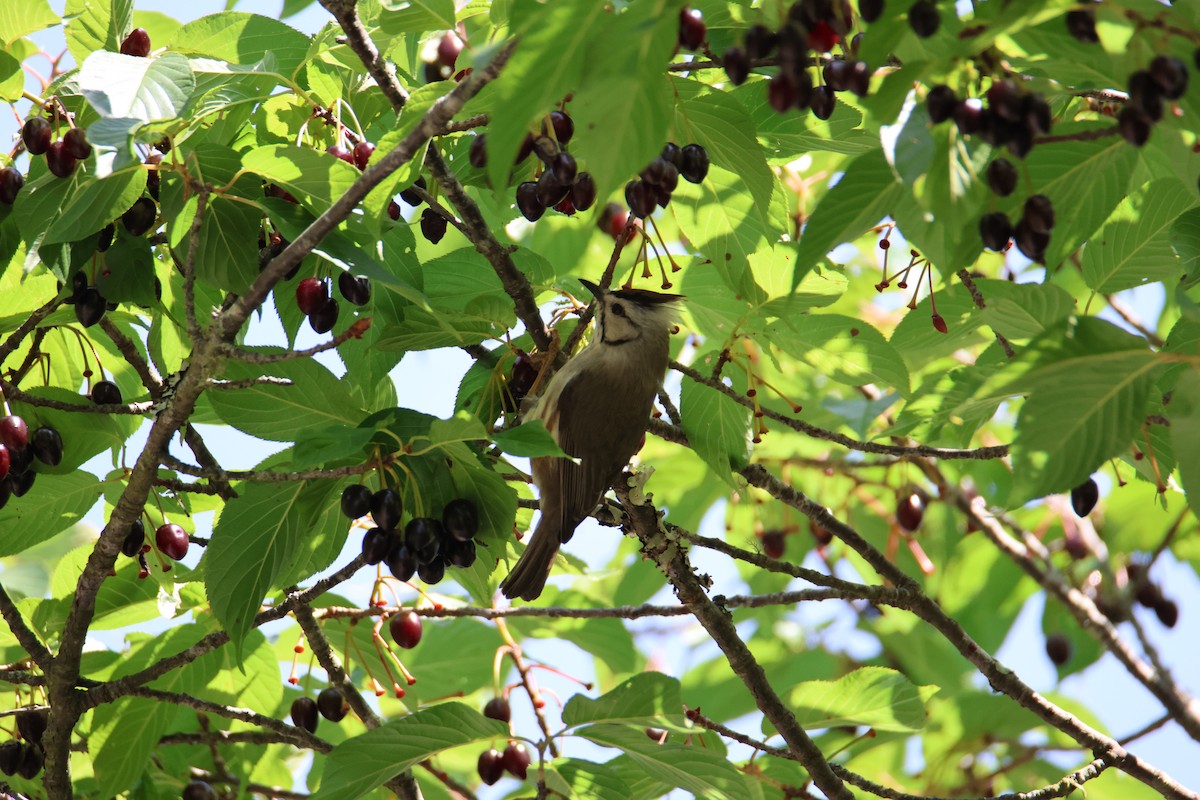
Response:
column 25, row 636
column 964, row 275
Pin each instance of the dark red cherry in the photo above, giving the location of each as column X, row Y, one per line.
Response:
column 924, row 18
column 1002, row 177
column 400, row 562
column 448, row 49
column 356, row 289
column 11, row 181
column 583, row 192
column 356, row 501
column 405, row 629
column 1081, row 24
column 140, row 216
column 460, row 519
column 995, row 230
column 1084, row 497
column 490, row 766
column 77, row 143
column 774, row 543
column 362, row 154
column 311, row 294
column 692, row 29
column 375, row 545
column 324, row 318
column 386, row 508
column 339, row 152
column 433, row 226
column 333, row 704
column 1058, row 648
column 694, row 163
column 47, row 446
column 564, row 126
column 305, row 714
column 106, row 393
column 91, row 307
column 940, row 103
column 134, row 539
column 14, row 432
column 909, row 511
column 172, row 540
column 36, row 133
column 498, row 708
column 528, row 204
column 199, row 790
column 137, row 43
column 59, row 159
column 516, row 760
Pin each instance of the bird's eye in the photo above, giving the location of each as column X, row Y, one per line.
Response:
column 619, row 310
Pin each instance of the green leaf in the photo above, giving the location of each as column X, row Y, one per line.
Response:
column 359, row 765
column 650, row 698
column 1088, row 384
column 128, row 87
column 1133, row 247
column 618, row 133
column 93, row 25
column 718, row 429
column 330, row 443
column 845, row 349
column 528, row 440
column 865, row 194
column 1185, row 432
column 879, row 698
column 586, row 780
column 20, row 19
column 403, row 16
column 241, row 38
column 315, row 177
column 314, row 400
column 693, row 769
column 254, row 537
column 557, row 33
column 56, row 503
column 94, row 204
column 1185, row 241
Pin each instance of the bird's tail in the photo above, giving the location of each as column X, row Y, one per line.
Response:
column 528, row 577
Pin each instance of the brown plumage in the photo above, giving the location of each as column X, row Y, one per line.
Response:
column 596, row 408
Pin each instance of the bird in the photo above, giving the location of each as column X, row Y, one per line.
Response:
column 596, row 408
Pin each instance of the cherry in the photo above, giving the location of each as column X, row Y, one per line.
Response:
column 499, row 709
column 77, row 144
column 356, row 289
column 924, row 18
column 32, row 759
column 564, row 167
column 774, row 543
column 14, row 432
column 362, row 154
column 1148, row 594
column 1134, row 125
column 460, row 554
column 324, row 318
column 106, row 239
column 36, row 133
column 21, row 482
column 692, row 29
column 969, row 116
column 1171, row 75
column 528, row 204
column 737, row 65
column 411, row 197
column 59, row 160
column 401, row 563
column 273, row 190
column 172, row 540
column 525, row 149
column 31, row 724
column 1030, row 242
column 1004, row 98
column 140, row 216
column 1167, row 612
column 1081, row 24
column 448, row 49
column 516, row 760
column 870, row 10
column 583, row 192
column 672, row 154
column 1039, row 213
column 565, row 206
column 821, row 37
column 5, row 462
column 137, row 43
column 386, row 509
column 341, row 153
column 433, row 225
column 304, row 714
column 47, row 445
column 393, row 210
column 858, row 78
column 1146, row 94
column 11, row 181
column 694, row 163
column 1002, row 177
column 405, row 629
column 375, row 545
column 311, row 294
column 333, row 704
column 477, row 153
column 91, row 307
column 940, row 103
column 782, row 93
column 1035, row 111
column 1058, row 648
column 134, row 539
column 10, row 757
column 432, row 572
column 639, row 195
column 822, row 102
column 460, row 519
column 995, row 230
column 490, row 766
column 199, row 790
column 564, row 126
column 612, row 221
column 1084, row 497
column 106, row 393
column 550, row 190
column 910, row 511
column 422, row 536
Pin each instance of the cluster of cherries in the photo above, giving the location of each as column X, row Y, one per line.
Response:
column 426, row 546
column 18, row 449
column 433, row 224
column 655, row 183
column 24, row 756
column 331, row 704
column 515, row 759
column 1011, row 117
column 62, row 155
column 90, row 305
column 315, row 301
column 561, row 185
column 441, row 68
column 171, row 539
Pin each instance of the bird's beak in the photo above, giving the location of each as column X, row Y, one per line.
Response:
column 591, row 287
